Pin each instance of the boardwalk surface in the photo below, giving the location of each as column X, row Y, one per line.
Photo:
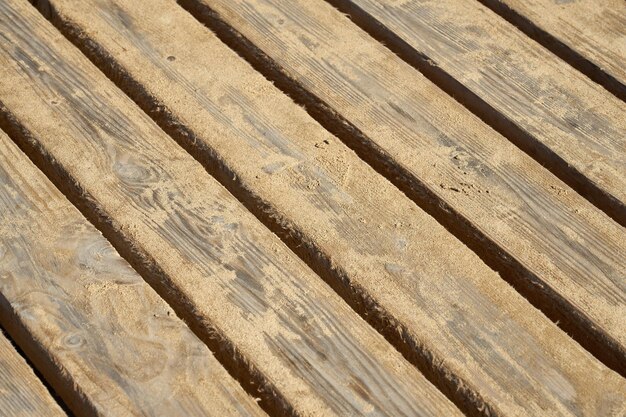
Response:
column 504, row 203
column 239, row 287
column 181, row 237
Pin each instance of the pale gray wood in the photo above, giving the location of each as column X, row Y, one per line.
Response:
column 276, row 323
column 106, row 342
column 488, row 346
column 589, row 34
column 559, row 249
column 561, row 113
column 21, row 393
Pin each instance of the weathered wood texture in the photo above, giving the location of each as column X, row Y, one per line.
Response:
column 108, row 344
column 243, row 291
column 556, row 247
column 589, row 34
column 478, row 337
column 21, row 393
column 567, row 122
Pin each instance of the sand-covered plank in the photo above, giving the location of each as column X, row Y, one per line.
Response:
column 588, row 34
column 271, row 319
column 22, row 394
column 106, row 342
column 559, row 250
column 568, row 123
column 482, row 341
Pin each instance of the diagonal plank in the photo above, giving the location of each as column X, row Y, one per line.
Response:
column 562, row 252
column 21, row 393
column 483, row 339
column 565, row 121
column 589, row 34
column 272, row 320
column 107, row 343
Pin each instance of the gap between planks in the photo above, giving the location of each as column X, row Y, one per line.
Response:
column 552, row 304
column 504, row 125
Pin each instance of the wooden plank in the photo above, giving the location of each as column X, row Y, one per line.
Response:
column 108, row 344
column 589, row 34
column 272, row 320
column 21, row 393
column 568, row 123
column 475, row 333
column 563, row 253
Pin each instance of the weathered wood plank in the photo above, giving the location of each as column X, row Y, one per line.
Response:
column 108, row 344
column 21, row 393
column 556, row 247
column 246, row 294
column 589, row 34
column 480, row 337
column 570, row 124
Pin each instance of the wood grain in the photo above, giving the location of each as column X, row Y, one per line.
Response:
column 483, row 342
column 568, row 123
column 552, row 244
column 589, row 34
column 21, row 393
column 272, row 320
column 108, row 344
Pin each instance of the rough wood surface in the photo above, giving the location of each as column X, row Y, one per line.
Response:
column 569, row 123
column 589, row 34
column 556, row 247
column 21, row 393
column 481, row 337
column 270, row 317
column 108, row 344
